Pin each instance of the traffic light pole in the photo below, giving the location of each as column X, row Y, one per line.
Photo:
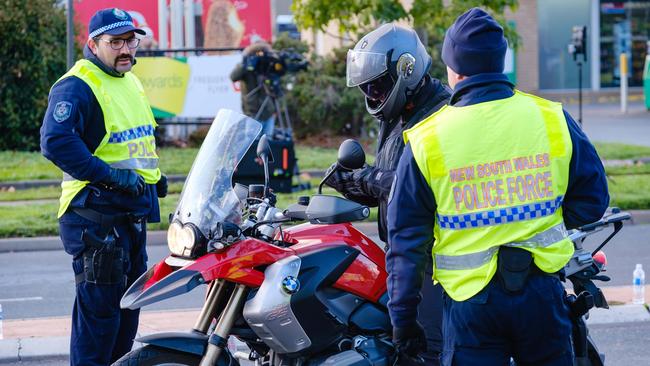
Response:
column 580, row 92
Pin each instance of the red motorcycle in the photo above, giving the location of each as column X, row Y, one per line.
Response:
column 311, row 294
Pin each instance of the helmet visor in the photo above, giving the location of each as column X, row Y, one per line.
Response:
column 362, row 67
column 379, row 88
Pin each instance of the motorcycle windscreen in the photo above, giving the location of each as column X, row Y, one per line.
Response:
column 208, row 196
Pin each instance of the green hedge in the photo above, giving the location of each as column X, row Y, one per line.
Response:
column 32, row 58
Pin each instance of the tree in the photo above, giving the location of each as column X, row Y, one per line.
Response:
column 430, row 18
column 32, row 57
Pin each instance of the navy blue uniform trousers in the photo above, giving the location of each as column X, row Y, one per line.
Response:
column 430, row 317
column 533, row 327
column 101, row 331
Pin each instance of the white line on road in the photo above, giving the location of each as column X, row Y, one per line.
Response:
column 18, row 299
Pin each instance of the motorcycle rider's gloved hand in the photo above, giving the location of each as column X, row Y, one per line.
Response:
column 349, row 182
column 161, row 186
column 336, row 180
column 354, row 184
column 125, row 180
column 409, row 342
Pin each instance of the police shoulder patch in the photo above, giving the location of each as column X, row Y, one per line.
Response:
column 62, row 111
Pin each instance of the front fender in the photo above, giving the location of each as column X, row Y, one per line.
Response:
column 192, row 342
column 187, row 342
column 237, row 263
column 145, row 290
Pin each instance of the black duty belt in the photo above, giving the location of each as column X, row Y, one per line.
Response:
column 107, row 222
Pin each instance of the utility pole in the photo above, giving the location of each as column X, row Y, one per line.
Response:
column 70, row 34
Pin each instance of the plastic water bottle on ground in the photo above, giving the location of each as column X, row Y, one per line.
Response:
column 639, row 285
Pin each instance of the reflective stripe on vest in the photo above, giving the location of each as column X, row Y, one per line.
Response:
column 135, row 163
column 498, row 171
column 475, row 260
column 129, row 142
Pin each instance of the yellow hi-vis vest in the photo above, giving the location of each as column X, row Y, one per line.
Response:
column 498, row 171
column 129, row 142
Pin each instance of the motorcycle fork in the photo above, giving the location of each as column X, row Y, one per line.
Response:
column 219, row 337
column 215, row 295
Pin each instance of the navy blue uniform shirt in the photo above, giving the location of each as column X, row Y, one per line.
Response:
column 412, row 206
column 72, row 129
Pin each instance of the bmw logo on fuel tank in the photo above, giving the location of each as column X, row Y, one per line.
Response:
column 290, row 285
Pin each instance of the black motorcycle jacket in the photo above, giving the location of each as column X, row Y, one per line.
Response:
column 375, row 187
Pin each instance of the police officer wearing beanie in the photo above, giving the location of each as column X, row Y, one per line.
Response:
column 99, row 130
column 390, row 66
column 493, row 180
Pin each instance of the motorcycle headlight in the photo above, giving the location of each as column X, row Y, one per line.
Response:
column 181, row 239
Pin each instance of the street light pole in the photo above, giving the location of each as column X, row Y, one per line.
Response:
column 70, row 34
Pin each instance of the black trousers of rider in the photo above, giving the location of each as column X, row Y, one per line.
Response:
column 430, row 317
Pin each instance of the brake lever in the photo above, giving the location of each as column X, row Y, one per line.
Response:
column 618, row 225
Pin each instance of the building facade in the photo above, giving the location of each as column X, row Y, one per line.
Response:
column 544, row 63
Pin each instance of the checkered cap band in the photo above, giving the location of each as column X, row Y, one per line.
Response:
column 500, row 216
column 105, row 28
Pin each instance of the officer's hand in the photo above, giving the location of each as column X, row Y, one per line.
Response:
column 126, row 180
column 409, row 342
column 161, row 186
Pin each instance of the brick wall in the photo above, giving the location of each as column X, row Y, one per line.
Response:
column 528, row 52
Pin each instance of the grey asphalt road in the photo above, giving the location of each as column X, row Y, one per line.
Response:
column 624, row 344
column 40, row 284
column 629, row 247
column 605, row 123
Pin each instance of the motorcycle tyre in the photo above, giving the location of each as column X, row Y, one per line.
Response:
column 152, row 356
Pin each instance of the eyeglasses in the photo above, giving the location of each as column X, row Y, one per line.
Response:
column 118, row 43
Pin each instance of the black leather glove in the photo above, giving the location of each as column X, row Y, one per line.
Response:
column 352, row 183
column 409, row 342
column 125, row 180
column 161, row 186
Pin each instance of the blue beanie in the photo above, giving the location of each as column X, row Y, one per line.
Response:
column 474, row 44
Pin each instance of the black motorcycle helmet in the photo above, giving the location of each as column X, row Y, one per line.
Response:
column 388, row 65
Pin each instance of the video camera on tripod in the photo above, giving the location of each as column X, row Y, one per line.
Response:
column 269, row 66
column 272, row 65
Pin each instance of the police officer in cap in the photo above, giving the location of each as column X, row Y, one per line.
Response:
column 99, row 130
column 390, row 66
column 493, row 180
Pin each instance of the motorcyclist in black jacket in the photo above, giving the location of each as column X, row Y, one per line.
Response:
column 390, row 65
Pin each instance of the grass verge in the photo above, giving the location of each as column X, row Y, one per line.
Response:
column 629, row 185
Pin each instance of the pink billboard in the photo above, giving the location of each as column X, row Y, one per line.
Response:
column 224, row 23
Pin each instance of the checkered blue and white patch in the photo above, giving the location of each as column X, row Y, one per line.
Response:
column 500, row 216
column 130, row 134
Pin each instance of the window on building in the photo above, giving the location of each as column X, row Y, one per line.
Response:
column 557, row 68
column 624, row 28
